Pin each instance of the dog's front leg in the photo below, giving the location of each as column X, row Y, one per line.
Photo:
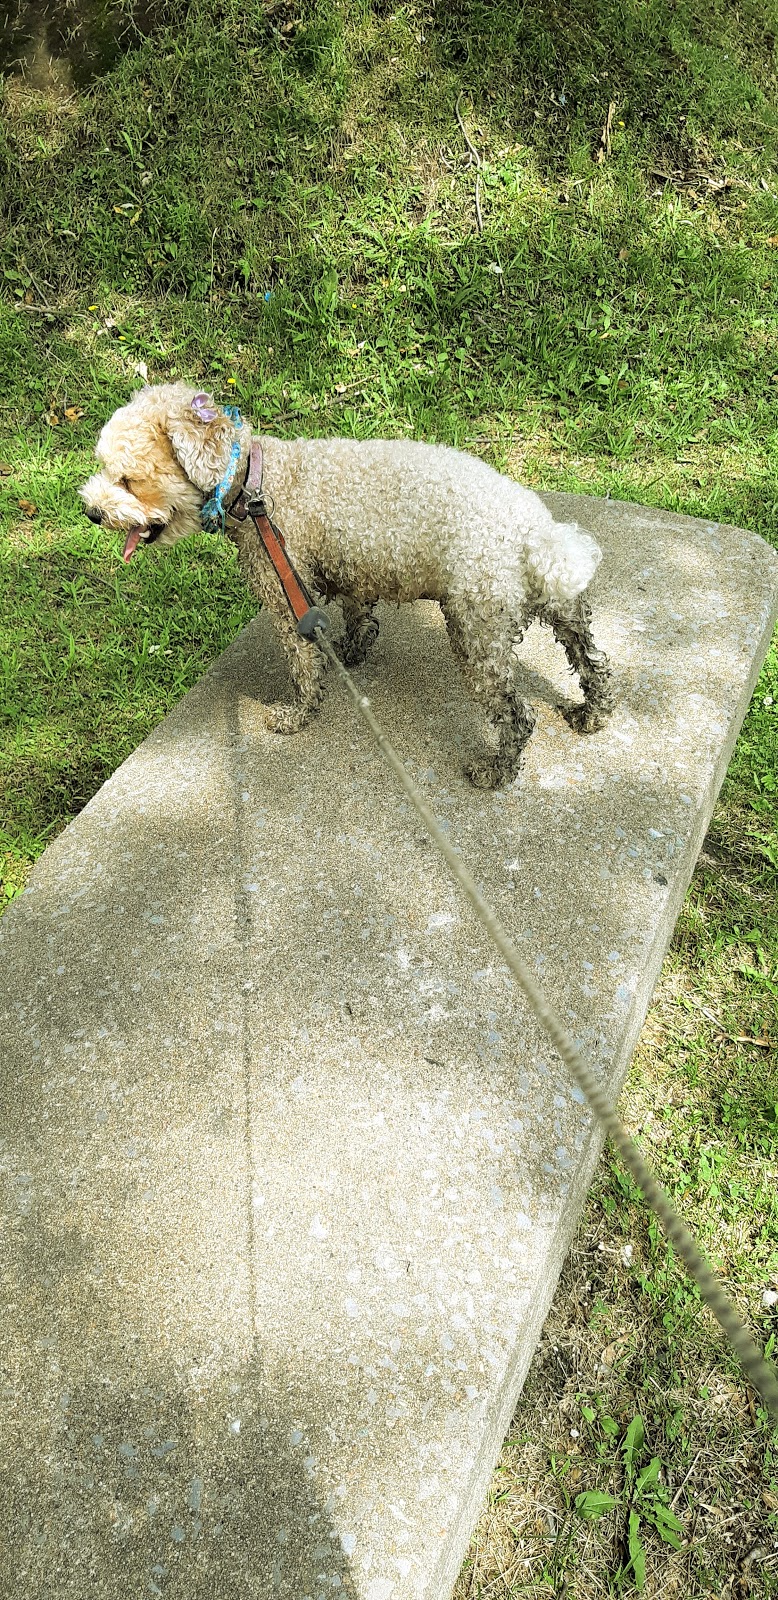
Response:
column 307, row 665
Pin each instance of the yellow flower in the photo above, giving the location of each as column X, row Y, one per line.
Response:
column 232, row 380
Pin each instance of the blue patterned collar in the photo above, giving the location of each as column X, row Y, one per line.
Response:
column 214, row 511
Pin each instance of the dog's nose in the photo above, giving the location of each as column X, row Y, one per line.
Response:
column 94, row 514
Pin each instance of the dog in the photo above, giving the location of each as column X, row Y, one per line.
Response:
column 365, row 521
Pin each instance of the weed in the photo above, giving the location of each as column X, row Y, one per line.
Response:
column 644, row 1502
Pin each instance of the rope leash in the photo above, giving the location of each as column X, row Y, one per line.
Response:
column 760, row 1373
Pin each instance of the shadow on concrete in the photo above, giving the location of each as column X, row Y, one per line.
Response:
column 133, row 1470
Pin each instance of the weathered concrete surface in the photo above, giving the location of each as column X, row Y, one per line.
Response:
column 288, row 1172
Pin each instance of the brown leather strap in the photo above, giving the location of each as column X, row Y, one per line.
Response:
column 273, row 540
column 256, row 467
column 251, row 503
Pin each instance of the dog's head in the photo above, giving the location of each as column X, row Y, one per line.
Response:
column 160, row 457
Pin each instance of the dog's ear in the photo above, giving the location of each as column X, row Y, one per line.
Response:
column 202, row 437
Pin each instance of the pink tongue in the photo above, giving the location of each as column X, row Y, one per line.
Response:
column 131, row 543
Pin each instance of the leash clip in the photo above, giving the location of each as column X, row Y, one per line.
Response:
column 309, row 618
column 312, row 619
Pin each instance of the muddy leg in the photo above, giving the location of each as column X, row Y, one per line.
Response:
column 513, row 721
column 361, row 632
column 572, row 627
column 491, row 680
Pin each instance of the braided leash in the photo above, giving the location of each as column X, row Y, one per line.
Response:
column 760, row 1373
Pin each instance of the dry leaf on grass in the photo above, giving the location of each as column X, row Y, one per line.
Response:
column 72, row 413
column 610, row 1355
column 28, row 507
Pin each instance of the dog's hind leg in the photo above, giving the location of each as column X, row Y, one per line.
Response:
column 513, row 721
column 491, row 679
column 572, row 626
column 361, row 631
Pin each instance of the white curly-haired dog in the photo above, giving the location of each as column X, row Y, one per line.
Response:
column 367, row 521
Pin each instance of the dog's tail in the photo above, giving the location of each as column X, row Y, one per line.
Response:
column 561, row 559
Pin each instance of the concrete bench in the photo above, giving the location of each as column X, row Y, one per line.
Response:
column 288, row 1171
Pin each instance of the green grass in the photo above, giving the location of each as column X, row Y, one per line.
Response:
column 278, row 200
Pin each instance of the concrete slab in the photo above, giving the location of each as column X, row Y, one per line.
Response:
column 288, row 1172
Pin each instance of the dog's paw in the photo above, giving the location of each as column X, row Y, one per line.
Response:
column 586, row 719
column 483, row 774
column 353, row 653
column 280, row 718
column 356, row 647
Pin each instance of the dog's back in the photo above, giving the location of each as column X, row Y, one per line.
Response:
column 402, row 519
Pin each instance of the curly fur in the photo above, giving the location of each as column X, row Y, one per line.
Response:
column 368, row 521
